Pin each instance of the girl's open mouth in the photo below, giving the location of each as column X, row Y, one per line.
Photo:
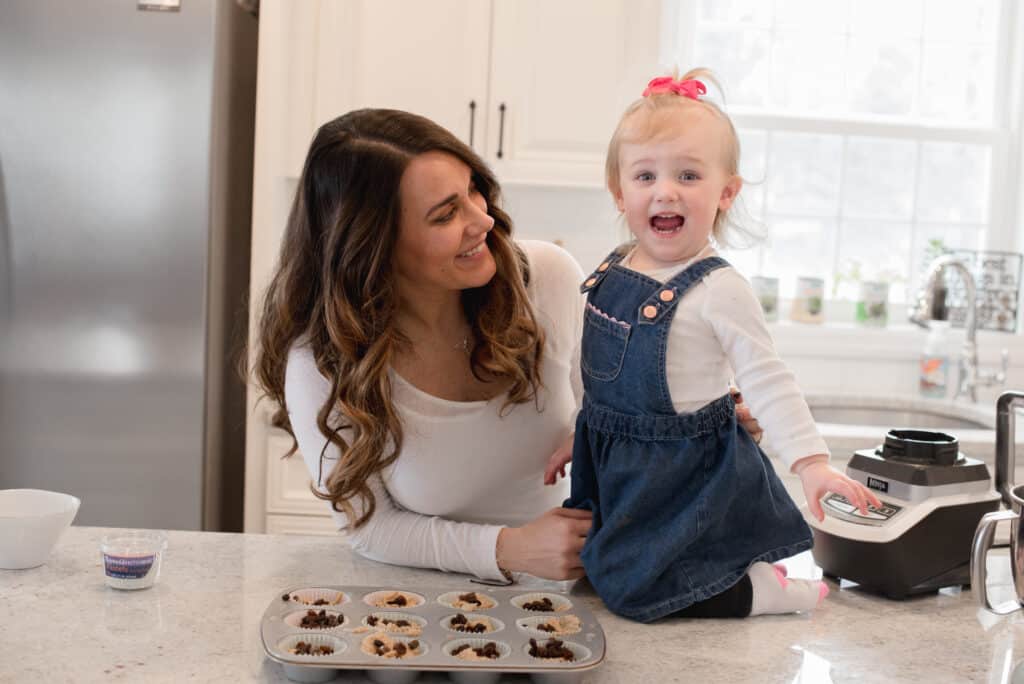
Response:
column 667, row 224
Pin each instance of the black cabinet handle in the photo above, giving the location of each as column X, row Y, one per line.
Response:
column 472, row 120
column 501, row 129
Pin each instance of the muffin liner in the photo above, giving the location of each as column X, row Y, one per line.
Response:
column 308, row 597
column 560, row 603
column 496, row 624
column 291, row 641
column 423, row 648
column 579, row 652
column 294, row 619
column 413, row 599
column 529, row 625
column 415, row 619
column 504, row 649
column 450, row 598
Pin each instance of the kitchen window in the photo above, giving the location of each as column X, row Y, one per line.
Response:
column 873, row 132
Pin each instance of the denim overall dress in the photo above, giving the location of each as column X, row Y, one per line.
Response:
column 682, row 504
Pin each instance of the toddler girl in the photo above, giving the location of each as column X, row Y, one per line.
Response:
column 688, row 513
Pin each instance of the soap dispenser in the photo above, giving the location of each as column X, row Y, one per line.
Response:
column 936, row 360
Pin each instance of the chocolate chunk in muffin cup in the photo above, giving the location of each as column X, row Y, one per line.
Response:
column 556, row 651
column 315, row 619
column 315, row 597
column 542, row 603
column 471, row 623
column 390, row 647
column 394, row 623
column 477, row 650
column 392, row 598
column 311, row 648
column 467, row 600
column 550, row 625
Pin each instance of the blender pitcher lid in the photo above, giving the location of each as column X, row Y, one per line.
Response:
column 924, row 447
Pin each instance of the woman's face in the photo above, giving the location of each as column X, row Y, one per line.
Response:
column 443, row 227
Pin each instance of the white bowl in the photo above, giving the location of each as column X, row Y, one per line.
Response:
column 31, row 521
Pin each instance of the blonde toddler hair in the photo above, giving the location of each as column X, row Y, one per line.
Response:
column 651, row 117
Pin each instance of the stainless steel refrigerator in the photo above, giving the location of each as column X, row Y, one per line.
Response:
column 126, row 139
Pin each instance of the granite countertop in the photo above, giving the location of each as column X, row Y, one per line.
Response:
column 201, row 621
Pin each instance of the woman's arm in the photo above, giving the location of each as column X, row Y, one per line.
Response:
column 401, row 537
column 392, row 534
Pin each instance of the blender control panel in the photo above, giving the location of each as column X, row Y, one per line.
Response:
column 839, row 506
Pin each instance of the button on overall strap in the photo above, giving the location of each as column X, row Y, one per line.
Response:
column 664, row 298
column 599, row 273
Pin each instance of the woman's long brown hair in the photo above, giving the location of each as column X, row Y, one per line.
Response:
column 334, row 290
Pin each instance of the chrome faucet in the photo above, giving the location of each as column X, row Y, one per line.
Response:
column 970, row 377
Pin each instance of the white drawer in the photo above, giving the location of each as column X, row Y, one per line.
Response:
column 302, row 524
column 288, row 481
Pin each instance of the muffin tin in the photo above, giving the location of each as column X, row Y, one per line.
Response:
column 513, row 627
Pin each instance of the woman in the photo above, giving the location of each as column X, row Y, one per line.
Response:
column 425, row 363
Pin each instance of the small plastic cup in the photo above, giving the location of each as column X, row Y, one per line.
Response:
column 131, row 559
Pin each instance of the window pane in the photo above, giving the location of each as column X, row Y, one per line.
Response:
column 900, row 19
column 876, row 250
column 953, row 183
column 803, row 174
column 957, row 82
column 798, row 247
column 740, row 59
column 968, row 21
column 746, row 261
column 753, row 12
column 883, row 76
column 877, row 179
column 812, row 15
column 808, row 72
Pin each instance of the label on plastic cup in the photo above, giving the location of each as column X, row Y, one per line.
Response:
column 128, row 567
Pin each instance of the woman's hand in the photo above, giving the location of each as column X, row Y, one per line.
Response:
column 557, row 462
column 547, row 547
column 818, row 477
column 746, row 420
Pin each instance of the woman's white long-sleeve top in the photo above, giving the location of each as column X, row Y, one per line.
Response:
column 465, row 470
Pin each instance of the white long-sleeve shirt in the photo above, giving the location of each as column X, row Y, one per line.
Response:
column 719, row 334
column 464, row 471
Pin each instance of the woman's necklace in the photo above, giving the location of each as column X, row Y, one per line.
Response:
column 463, row 345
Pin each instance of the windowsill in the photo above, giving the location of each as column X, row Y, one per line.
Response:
column 898, row 341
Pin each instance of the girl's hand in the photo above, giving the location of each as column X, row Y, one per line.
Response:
column 557, row 462
column 818, row 477
column 548, row 547
column 748, row 422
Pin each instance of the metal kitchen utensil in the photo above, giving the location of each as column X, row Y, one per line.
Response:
column 1006, row 460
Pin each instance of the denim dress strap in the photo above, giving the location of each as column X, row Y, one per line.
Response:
column 665, row 298
column 599, row 273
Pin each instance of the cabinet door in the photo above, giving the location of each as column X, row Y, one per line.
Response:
column 429, row 57
column 564, row 72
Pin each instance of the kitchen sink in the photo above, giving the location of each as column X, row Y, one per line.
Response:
column 852, row 422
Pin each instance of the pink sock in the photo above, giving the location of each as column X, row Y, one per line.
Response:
column 774, row 593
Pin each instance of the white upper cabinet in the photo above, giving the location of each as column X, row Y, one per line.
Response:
column 536, row 86
column 429, row 57
column 564, row 71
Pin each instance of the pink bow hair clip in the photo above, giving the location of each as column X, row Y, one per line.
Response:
column 691, row 87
